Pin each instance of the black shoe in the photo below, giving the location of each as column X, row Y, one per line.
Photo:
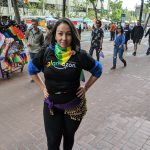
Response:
column 148, row 52
column 31, row 80
column 134, row 53
column 112, row 68
column 125, row 63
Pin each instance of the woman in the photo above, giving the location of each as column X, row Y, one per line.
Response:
column 119, row 47
column 65, row 103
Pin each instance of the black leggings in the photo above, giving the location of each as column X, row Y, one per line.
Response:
column 57, row 126
column 97, row 52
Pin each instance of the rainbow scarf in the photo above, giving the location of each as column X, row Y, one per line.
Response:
column 62, row 54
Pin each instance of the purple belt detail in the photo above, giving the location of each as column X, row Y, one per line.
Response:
column 68, row 105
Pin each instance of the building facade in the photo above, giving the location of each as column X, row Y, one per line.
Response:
column 48, row 7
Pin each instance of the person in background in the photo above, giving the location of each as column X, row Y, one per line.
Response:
column 35, row 39
column 148, row 33
column 119, row 47
column 65, row 103
column 127, row 33
column 79, row 30
column 137, row 35
column 23, row 26
column 97, row 39
column 112, row 31
column 48, row 35
column 105, row 27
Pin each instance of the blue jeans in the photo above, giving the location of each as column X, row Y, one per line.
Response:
column 116, row 51
column 112, row 36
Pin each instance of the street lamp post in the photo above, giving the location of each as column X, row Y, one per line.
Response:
column 141, row 11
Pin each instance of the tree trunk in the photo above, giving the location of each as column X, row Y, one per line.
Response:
column 95, row 10
column 64, row 8
column 141, row 11
column 43, row 8
column 16, row 10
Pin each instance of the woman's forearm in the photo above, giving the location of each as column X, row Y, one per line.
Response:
column 90, row 82
column 38, row 81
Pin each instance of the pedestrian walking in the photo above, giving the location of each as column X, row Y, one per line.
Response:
column 106, row 27
column 119, row 47
column 127, row 32
column 148, row 33
column 35, row 39
column 137, row 35
column 112, row 31
column 65, row 103
column 79, row 30
column 97, row 39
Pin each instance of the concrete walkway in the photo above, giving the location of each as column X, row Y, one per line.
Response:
column 118, row 116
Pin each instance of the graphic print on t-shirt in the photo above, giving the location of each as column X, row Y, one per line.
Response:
column 57, row 65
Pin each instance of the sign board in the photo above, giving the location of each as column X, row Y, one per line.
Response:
column 123, row 17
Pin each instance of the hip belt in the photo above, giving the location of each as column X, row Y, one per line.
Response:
column 65, row 106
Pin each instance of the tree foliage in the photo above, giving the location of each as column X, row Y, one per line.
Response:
column 116, row 10
column 94, row 3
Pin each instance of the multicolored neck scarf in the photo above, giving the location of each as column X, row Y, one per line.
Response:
column 62, row 54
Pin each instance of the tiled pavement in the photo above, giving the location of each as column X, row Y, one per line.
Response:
column 118, row 116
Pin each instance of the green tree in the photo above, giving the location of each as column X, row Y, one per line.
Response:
column 41, row 6
column 94, row 3
column 33, row 8
column 116, row 10
column 78, row 7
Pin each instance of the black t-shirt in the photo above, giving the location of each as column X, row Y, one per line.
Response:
column 62, row 78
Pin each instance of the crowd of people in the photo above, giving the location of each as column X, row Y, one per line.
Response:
column 120, row 35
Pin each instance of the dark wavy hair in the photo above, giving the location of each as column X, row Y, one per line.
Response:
column 75, row 36
column 120, row 27
column 99, row 23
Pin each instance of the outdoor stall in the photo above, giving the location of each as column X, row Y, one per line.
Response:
column 12, row 53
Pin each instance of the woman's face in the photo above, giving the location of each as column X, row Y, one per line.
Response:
column 119, row 30
column 63, row 35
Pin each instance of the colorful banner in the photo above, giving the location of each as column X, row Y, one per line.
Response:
column 2, row 38
column 23, row 2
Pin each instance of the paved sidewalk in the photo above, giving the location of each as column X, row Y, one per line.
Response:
column 118, row 116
